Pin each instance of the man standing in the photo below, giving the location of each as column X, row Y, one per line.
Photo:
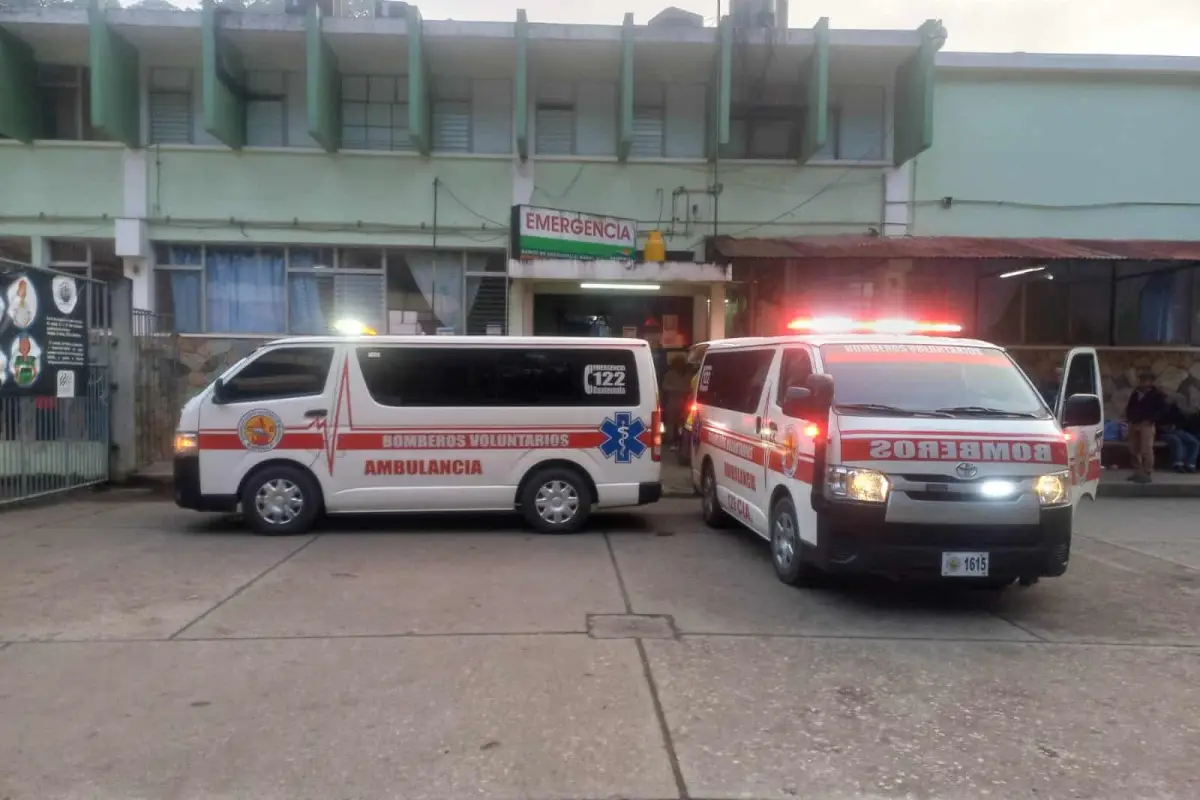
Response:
column 1147, row 406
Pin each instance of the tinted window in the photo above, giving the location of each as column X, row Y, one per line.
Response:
column 733, row 380
column 795, row 367
column 497, row 376
column 281, row 373
column 928, row 377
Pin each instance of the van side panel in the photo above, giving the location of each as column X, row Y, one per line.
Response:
column 397, row 453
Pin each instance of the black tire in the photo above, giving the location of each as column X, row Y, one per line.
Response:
column 550, row 494
column 278, row 483
column 788, row 551
column 710, row 508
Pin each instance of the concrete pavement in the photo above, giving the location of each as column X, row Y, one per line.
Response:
column 147, row 652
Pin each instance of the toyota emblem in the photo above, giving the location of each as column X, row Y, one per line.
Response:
column 966, row 470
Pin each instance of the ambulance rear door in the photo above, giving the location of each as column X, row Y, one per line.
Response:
column 1081, row 375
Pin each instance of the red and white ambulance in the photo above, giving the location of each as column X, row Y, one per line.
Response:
column 554, row 427
column 886, row 447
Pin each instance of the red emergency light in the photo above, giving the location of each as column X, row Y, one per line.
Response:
column 847, row 325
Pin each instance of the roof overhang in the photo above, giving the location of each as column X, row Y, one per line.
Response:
column 952, row 247
column 1068, row 63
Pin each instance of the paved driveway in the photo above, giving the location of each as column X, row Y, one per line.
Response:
column 149, row 652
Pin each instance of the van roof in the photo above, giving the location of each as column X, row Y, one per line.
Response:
column 452, row 341
column 848, row 338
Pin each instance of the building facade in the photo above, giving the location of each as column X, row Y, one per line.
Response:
column 255, row 175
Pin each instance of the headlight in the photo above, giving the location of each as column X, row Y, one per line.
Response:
column 1052, row 489
column 185, row 443
column 861, row 485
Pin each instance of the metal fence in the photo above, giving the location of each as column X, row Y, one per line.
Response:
column 158, row 390
column 52, row 444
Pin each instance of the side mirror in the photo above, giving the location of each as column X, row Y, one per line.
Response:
column 798, row 403
column 1082, row 410
column 821, row 387
column 219, row 395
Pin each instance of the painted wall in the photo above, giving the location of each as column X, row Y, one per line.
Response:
column 758, row 199
column 75, row 179
column 1061, row 157
column 389, row 194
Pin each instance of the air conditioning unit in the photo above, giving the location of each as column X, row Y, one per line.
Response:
column 752, row 13
column 391, row 9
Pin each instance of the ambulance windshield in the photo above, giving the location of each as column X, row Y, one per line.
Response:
column 947, row 380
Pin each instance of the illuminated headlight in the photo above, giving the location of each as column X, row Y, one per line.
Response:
column 996, row 490
column 861, row 485
column 1052, row 489
column 185, row 443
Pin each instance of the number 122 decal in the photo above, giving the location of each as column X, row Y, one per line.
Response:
column 604, row 379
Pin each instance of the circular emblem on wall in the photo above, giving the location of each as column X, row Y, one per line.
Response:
column 260, row 430
column 66, row 293
column 22, row 302
column 791, row 451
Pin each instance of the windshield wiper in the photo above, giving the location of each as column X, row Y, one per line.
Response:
column 984, row 411
column 882, row 408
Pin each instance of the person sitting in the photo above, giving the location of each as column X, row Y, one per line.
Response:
column 1146, row 407
column 1172, row 429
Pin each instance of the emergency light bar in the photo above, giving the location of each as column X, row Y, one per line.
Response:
column 847, row 325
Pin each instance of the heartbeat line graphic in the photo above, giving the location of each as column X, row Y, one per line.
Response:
column 329, row 435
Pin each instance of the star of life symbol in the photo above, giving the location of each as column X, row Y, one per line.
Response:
column 622, row 433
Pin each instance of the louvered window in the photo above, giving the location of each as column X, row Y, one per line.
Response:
column 170, row 106
column 555, row 129
column 452, row 126
column 647, row 133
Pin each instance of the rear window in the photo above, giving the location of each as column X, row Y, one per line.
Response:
column 499, row 376
column 929, row 377
column 733, row 380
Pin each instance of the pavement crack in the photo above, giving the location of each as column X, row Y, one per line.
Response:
column 664, row 728
column 245, row 586
column 612, row 557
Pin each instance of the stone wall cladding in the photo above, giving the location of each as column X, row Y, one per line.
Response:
column 1177, row 372
column 204, row 358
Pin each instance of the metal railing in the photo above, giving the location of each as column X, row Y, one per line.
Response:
column 54, row 444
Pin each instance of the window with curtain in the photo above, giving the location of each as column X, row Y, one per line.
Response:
column 244, row 289
column 325, row 286
column 178, row 286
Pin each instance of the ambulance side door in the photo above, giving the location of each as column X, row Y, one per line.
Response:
column 790, row 453
column 273, row 407
column 1081, row 375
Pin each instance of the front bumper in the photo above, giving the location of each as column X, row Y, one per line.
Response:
column 187, row 488
column 854, row 539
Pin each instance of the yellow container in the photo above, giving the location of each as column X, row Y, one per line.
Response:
column 656, row 248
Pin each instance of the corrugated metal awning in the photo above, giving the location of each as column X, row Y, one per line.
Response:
column 972, row 247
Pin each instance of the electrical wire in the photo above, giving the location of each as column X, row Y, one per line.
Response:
column 442, row 185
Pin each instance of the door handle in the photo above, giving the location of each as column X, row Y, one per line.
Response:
column 316, row 413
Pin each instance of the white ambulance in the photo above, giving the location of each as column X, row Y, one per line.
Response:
column 874, row 448
column 553, row 427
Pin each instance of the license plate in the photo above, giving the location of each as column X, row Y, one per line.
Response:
column 964, row 565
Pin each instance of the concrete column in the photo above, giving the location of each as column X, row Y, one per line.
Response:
column 716, row 317
column 122, row 384
column 700, row 315
column 897, row 200
column 516, row 307
column 138, row 271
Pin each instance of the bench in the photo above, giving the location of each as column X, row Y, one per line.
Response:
column 1115, row 454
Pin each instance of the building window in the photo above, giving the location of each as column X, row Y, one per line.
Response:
column 170, row 106
column 446, row 291
column 649, row 122
column 16, row 248
column 375, row 113
column 451, row 115
column 764, row 132
column 66, row 101
column 306, row 290
column 96, row 260
column 555, row 129
column 266, row 108
column 576, row 118
column 1155, row 304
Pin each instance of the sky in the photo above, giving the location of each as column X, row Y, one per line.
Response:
column 1146, row 27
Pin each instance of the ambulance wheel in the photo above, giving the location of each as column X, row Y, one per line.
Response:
column 280, row 501
column 556, row 500
column 787, row 548
column 714, row 515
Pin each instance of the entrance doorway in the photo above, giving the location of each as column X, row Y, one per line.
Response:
column 615, row 315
